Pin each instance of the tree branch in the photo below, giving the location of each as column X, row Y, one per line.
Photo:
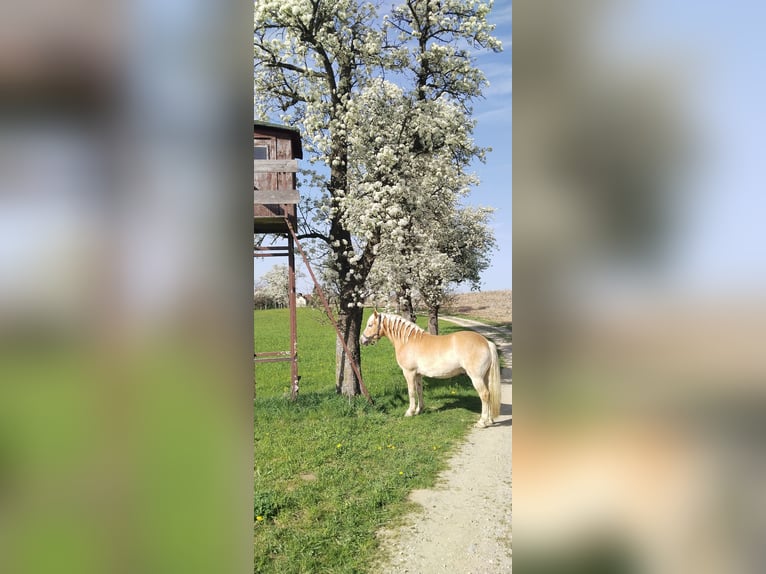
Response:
column 294, row 68
column 315, row 235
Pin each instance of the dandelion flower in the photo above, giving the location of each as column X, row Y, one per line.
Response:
column 338, row 445
column 259, row 518
column 401, row 472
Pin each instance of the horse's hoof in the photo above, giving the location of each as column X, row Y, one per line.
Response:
column 408, row 414
column 481, row 424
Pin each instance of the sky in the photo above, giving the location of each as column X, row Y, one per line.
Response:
column 717, row 49
column 494, row 130
column 716, row 53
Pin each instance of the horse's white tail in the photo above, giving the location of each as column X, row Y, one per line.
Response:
column 495, row 390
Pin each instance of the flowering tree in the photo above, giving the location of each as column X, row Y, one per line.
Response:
column 430, row 241
column 457, row 253
column 274, row 286
column 321, row 65
column 454, row 247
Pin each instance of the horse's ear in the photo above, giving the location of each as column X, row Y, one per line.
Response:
column 375, row 311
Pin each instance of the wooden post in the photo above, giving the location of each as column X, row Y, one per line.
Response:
column 293, row 319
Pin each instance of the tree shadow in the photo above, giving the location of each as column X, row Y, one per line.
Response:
column 392, row 400
column 472, row 404
column 396, row 399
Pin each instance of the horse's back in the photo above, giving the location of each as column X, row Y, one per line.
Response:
column 459, row 342
column 468, row 337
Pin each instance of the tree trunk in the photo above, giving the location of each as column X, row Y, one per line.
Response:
column 350, row 325
column 349, row 315
column 406, row 308
column 433, row 320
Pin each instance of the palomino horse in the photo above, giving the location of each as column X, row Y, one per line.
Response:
column 440, row 356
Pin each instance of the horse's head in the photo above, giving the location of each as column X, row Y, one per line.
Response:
column 371, row 333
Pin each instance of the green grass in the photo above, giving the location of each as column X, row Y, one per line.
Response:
column 137, row 448
column 331, row 471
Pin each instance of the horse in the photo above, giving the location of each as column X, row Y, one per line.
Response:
column 420, row 354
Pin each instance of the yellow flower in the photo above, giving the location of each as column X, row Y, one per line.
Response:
column 338, row 445
column 401, row 472
column 259, row 518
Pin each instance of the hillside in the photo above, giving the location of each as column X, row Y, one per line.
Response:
column 492, row 306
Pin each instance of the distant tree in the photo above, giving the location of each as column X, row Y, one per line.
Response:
column 273, row 288
column 459, row 252
column 276, row 281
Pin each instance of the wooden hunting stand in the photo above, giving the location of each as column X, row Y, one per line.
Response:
column 276, row 150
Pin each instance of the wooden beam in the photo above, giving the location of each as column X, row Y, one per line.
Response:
column 276, row 196
column 272, row 360
column 275, row 165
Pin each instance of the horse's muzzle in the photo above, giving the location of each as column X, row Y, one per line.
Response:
column 366, row 340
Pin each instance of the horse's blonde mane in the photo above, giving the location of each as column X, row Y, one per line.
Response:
column 400, row 327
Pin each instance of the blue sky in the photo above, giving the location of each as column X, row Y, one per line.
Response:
column 494, row 130
column 715, row 52
column 718, row 51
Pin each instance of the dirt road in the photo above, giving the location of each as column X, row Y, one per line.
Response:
column 465, row 526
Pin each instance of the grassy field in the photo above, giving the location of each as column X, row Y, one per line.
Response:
column 329, row 471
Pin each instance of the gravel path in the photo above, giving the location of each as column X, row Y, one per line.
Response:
column 465, row 526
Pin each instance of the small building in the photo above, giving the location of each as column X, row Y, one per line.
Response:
column 276, row 150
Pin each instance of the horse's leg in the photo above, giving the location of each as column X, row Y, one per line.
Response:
column 419, row 389
column 412, row 390
column 478, row 383
column 485, row 399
